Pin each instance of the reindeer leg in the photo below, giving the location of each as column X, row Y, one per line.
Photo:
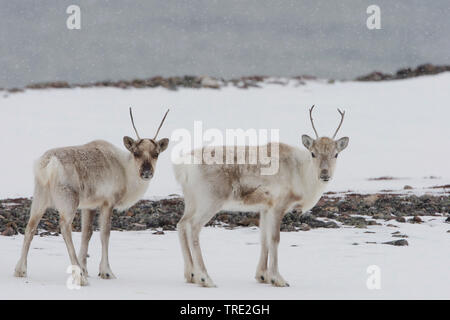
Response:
column 261, row 271
column 65, row 222
column 187, row 257
column 273, row 237
column 105, row 230
column 195, row 224
column 38, row 207
column 87, row 228
column 66, row 201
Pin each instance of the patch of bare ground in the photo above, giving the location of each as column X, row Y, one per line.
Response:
column 357, row 210
column 447, row 186
column 385, row 178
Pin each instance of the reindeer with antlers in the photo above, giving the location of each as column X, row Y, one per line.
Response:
column 299, row 183
column 90, row 176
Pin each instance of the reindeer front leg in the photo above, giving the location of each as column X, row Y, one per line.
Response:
column 261, row 270
column 273, row 238
column 105, row 230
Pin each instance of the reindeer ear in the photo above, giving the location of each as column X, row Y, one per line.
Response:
column 307, row 141
column 128, row 143
column 163, row 144
column 342, row 143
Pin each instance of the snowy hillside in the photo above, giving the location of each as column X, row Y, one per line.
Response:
column 396, row 128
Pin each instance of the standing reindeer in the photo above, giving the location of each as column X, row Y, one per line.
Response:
column 90, row 176
column 300, row 181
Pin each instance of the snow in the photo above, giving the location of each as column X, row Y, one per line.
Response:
column 319, row 264
column 396, row 128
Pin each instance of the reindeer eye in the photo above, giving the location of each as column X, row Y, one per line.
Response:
column 155, row 155
column 313, row 155
column 137, row 154
column 336, row 155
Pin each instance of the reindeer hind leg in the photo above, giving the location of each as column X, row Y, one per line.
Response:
column 87, row 228
column 38, row 207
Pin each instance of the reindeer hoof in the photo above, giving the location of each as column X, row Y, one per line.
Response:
column 189, row 277
column 107, row 275
column 205, row 281
column 20, row 270
column 279, row 283
column 80, row 279
column 262, row 277
column 20, row 273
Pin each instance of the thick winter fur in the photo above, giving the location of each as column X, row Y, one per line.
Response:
column 91, row 176
column 299, row 182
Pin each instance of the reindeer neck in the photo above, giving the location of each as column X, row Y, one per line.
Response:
column 311, row 186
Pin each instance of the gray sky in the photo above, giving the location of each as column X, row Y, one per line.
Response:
column 130, row 39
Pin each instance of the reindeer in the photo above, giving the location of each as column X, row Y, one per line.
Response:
column 299, row 183
column 90, row 176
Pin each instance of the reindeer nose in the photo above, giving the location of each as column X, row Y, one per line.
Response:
column 324, row 175
column 146, row 174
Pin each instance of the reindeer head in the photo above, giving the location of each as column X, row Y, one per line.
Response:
column 324, row 150
column 145, row 151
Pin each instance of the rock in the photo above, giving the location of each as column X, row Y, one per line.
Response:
column 315, row 223
column 415, row 219
column 350, row 209
column 209, row 82
column 370, row 200
column 158, row 232
column 407, row 187
column 139, row 226
column 304, row 227
column 378, row 216
column 400, row 236
column 400, row 242
column 404, row 73
column 9, row 231
column 248, row 222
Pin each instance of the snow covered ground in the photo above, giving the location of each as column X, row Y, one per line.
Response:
column 396, row 128
column 319, row 264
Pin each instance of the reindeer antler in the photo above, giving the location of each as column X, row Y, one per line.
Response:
column 312, row 122
column 160, row 125
column 342, row 113
column 132, row 122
